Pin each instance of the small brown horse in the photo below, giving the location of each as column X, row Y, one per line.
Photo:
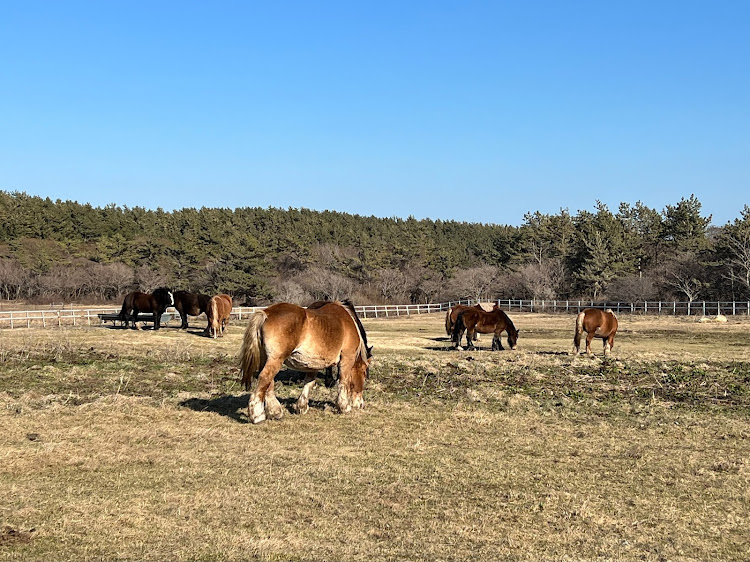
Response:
column 218, row 311
column 137, row 302
column 191, row 304
column 495, row 322
column 305, row 339
column 454, row 311
column 597, row 323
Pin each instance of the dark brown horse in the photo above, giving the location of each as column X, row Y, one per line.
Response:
column 454, row 311
column 137, row 302
column 305, row 339
column 597, row 323
column 219, row 309
column 189, row 304
column 495, row 322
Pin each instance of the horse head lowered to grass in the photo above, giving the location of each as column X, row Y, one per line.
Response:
column 474, row 321
column 597, row 323
column 312, row 339
column 137, row 302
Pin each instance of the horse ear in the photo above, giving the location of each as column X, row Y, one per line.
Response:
column 369, row 351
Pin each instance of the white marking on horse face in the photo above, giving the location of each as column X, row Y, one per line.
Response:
column 171, row 298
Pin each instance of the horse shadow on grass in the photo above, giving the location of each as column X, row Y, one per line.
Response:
column 235, row 407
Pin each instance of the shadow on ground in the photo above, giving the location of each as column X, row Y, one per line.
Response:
column 235, row 407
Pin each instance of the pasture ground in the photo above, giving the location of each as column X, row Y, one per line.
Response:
column 120, row 444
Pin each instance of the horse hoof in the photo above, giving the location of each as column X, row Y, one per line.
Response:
column 276, row 415
column 301, row 406
column 459, row 348
column 259, row 419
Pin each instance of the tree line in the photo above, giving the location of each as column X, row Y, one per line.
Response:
column 64, row 250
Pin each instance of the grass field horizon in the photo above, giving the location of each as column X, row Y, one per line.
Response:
column 121, row 444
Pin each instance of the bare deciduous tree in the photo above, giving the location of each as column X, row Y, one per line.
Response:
column 148, row 279
column 476, row 282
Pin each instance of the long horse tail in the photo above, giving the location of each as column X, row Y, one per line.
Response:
column 253, row 353
column 448, row 323
column 458, row 329
column 579, row 331
column 212, row 313
column 579, row 323
column 123, row 311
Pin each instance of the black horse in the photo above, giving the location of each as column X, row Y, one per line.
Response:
column 137, row 302
column 191, row 304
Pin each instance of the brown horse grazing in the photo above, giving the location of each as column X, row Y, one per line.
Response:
column 454, row 311
column 597, row 323
column 494, row 322
column 305, row 339
column 137, row 302
column 218, row 311
column 191, row 304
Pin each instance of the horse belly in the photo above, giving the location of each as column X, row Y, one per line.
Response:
column 483, row 328
column 306, row 361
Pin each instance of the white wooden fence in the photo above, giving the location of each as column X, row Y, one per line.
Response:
column 90, row 316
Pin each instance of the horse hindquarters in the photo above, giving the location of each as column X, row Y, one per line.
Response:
column 578, row 334
column 254, row 361
column 458, row 331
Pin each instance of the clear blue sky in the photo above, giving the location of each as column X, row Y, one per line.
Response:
column 475, row 111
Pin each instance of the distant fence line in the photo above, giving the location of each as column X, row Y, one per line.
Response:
column 90, row 316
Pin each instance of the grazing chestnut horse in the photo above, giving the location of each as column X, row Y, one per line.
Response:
column 597, row 323
column 495, row 322
column 326, row 334
column 137, row 302
column 191, row 304
column 454, row 311
column 218, row 311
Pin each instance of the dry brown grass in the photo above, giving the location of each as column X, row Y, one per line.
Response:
column 118, row 444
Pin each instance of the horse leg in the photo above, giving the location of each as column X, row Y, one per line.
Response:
column 183, row 318
column 589, row 339
column 458, row 339
column 256, row 407
column 274, row 409
column 577, row 342
column 470, row 337
column 608, row 341
column 497, row 343
column 344, row 399
column 301, row 406
column 157, row 319
column 135, row 318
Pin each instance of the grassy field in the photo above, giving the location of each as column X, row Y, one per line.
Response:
column 120, row 444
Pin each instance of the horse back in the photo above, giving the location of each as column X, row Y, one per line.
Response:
column 225, row 305
column 483, row 321
column 601, row 322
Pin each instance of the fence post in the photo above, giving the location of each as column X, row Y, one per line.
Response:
column 704, row 308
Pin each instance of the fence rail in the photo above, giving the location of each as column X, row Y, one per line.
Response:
column 673, row 308
column 90, row 316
